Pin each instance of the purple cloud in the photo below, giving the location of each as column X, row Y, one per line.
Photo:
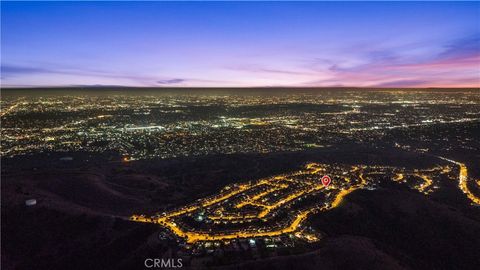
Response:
column 171, row 81
column 464, row 47
column 457, row 65
column 402, row 83
column 19, row 70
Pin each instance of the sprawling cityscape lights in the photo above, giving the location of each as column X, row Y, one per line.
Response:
column 252, row 135
column 166, row 126
column 159, row 125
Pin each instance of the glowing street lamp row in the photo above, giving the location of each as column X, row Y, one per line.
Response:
column 282, row 182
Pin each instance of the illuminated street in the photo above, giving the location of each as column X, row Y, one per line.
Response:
column 231, row 135
column 257, row 205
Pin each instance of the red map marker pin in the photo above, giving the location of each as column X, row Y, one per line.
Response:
column 326, row 180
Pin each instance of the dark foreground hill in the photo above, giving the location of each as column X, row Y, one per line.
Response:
column 79, row 221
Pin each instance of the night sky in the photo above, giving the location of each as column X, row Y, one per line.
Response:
column 375, row 44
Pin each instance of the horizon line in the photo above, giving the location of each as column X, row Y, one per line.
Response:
column 109, row 87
